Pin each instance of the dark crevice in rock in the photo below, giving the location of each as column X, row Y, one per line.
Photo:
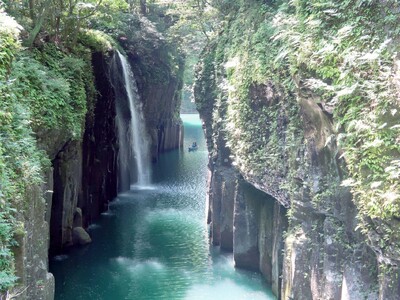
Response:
column 100, row 147
column 67, row 184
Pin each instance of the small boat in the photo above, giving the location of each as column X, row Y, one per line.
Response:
column 194, row 147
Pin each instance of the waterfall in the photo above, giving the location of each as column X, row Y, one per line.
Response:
column 133, row 138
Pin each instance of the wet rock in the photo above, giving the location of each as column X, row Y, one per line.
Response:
column 245, row 233
column 227, row 207
column 80, row 236
column 67, row 186
column 314, row 256
column 77, row 218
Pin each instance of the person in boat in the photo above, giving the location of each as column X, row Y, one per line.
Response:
column 194, row 145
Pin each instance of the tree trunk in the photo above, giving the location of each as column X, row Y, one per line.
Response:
column 38, row 24
column 34, row 32
column 32, row 9
column 143, row 7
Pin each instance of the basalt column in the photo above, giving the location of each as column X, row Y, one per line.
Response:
column 100, row 149
column 259, row 224
column 248, row 222
column 85, row 170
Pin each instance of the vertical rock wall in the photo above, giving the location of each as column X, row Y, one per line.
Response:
column 83, row 177
column 159, row 86
column 324, row 258
column 292, row 203
column 67, row 176
column 161, row 106
column 243, row 219
column 85, row 172
column 247, row 222
column 33, row 244
column 100, row 148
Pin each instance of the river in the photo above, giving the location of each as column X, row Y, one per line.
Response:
column 153, row 243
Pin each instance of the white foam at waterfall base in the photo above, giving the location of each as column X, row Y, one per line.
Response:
column 108, row 213
column 60, row 257
column 93, row 226
column 133, row 138
column 142, row 187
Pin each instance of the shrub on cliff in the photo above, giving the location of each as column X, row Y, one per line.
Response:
column 20, row 160
column 342, row 54
column 52, row 84
column 42, row 90
column 346, row 53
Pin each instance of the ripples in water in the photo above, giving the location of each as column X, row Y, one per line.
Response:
column 153, row 243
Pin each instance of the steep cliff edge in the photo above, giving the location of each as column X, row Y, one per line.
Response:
column 85, row 172
column 58, row 150
column 294, row 163
column 158, row 67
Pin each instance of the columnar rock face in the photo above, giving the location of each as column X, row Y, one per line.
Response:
column 259, row 224
column 246, row 229
column 158, row 68
column 248, row 222
column 160, row 94
column 291, row 219
column 31, row 253
column 323, row 256
column 67, row 186
column 100, row 147
column 85, row 172
column 242, row 218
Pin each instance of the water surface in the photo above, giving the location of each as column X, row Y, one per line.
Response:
column 153, row 243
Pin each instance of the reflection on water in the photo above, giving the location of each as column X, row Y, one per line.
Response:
column 153, row 243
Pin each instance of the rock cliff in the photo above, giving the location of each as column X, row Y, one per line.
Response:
column 158, row 68
column 323, row 256
column 276, row 192
column 85, row 172
column 58, row 142
column 82, row 179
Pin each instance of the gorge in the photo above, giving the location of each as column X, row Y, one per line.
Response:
column 159, row 247
column 299, row 106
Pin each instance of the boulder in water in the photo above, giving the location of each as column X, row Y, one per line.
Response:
column 80, row 236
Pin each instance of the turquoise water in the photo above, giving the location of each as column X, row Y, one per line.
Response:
column 153, row 244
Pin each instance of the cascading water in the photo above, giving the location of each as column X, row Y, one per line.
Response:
column 132, row 135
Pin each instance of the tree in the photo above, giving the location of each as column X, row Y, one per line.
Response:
column 59, row 20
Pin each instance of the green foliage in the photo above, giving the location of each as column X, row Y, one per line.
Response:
column 96, row 40
column 189, row 26
column 9, row 44
column 20, row 160
column 43, row 89
column 192, row 23
column 52, row 84
column 342, row 52
column 62, row 21
column 246, row 55
column 159, row 58
column 355, row 73
column 9, row 31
